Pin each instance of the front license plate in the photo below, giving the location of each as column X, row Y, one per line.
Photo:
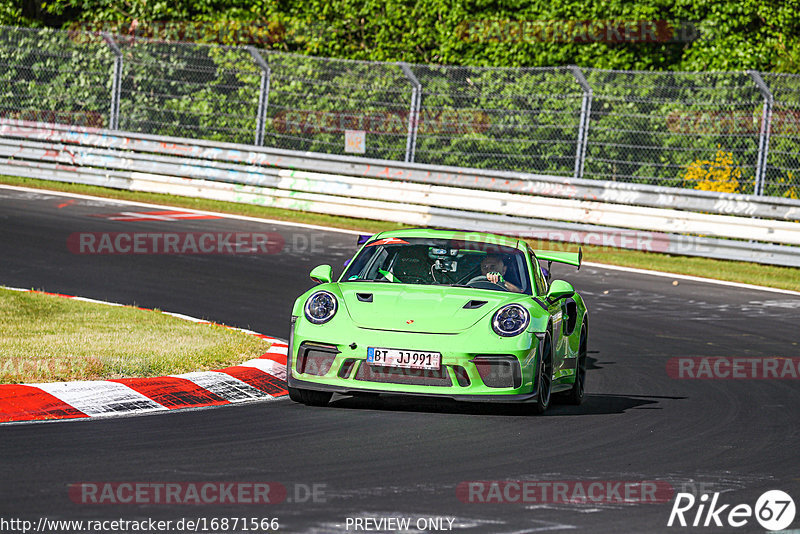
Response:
column 408, row 359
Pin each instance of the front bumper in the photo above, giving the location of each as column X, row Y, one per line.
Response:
column 347, row 390
column 475, row 366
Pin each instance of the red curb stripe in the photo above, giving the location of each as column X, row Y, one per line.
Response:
column 54, row 294
column 274, row 356
column 258, row 379
column 26, row 403
column 173, row 392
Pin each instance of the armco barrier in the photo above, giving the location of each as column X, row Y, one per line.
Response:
column 697, row 223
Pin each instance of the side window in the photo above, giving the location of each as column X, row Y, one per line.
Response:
column 379, row 262
column 539, row 279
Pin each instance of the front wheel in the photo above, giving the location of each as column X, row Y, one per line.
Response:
column 544, row 378
column 310, row 397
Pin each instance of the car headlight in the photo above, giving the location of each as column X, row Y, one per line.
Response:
column 320, row 307
column 510, row 320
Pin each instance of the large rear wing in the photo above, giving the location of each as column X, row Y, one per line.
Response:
column 570, row 258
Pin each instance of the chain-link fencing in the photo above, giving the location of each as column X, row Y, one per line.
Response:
column 50, row 76
column 674, row 129
column 187, row 90
column 782, row 177
column 728, row 132
column 313, row 102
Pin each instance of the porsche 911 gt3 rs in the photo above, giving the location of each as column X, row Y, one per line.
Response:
column 468, row 316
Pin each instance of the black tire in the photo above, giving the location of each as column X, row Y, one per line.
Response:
column 294, row 394
column 576, row 395
column 544, row 379
column 310, row 397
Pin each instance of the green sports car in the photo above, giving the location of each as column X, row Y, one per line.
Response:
column 468, row 316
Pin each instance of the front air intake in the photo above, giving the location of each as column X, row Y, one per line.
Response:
column 499, row 371
column 315, row 359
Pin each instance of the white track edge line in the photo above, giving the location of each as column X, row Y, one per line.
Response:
column 271, row 339
column 356, row 232
column 664, row 274
column 192, row 210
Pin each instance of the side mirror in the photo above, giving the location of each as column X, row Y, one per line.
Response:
column 560, row 289
column 322, row 274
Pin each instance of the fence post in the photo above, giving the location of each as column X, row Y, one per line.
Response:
column 583, row 124
column 766, row 124
column 116, row 82
column 413, row 112
column 263, row 95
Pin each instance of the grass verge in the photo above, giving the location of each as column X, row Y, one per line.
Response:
column 45, row 338
column 733, row 271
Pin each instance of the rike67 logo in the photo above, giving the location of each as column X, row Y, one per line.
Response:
column 774, row 510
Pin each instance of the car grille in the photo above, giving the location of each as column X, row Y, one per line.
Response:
column 394, row 375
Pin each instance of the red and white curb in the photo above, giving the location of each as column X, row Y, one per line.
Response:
column 263, row 378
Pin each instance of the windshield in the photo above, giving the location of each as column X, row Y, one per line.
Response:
column 441, row 262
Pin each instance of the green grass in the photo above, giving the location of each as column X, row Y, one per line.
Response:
column 45, row 338
column 750, row 273
column 732, row 271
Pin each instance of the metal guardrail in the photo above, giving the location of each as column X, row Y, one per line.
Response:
column 740, row 227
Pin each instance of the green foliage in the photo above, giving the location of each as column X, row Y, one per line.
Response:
column 646, row 127
column 189, row 91
column 747, row 34
column 46, row 72
column 10, row 14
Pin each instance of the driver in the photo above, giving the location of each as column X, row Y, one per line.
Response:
column 493, row 268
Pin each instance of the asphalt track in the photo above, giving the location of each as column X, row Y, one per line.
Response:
column 390, row 457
